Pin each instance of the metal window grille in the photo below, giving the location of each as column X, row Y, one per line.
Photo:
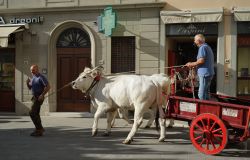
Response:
column 122, row 54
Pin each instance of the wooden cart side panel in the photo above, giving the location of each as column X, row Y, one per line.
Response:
column 233, row 116
column 179, row 108
column 209, row 108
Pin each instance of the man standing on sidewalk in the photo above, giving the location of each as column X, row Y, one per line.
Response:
column 39, row 86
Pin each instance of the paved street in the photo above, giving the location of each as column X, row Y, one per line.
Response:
column 69, row 138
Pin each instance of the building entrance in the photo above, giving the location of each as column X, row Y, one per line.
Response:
column 73, row 55
column 182, row 50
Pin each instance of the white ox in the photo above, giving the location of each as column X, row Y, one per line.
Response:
column 122, row 92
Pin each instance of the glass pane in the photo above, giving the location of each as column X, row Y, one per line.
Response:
column 7, row 71
column 73, row 38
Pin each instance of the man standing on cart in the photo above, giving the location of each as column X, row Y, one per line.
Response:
column 205, row 66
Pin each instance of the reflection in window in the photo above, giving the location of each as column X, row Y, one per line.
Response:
column 73, row 38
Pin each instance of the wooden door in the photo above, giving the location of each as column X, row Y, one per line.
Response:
column 70, row 63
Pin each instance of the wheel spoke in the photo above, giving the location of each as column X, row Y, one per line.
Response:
column 197, row 125
column 212, row 126
column 218, row 135
column 208, row 123
column 202, row 142
column 212, row 144
column 197, row 138
column 198, row 132
column 204, row 127
column 217, row 140
column 219, row 129
column 207, row 142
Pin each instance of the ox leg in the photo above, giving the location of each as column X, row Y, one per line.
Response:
column 171, row 123
column 163, row 129
column 151, row 119
column 110, row 118
column 100, row 110
column 123, row 114
column 113, row 121
column 137, row 121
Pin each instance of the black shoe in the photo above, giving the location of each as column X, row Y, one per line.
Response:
column 37, row 133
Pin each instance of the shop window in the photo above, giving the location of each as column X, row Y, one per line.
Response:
column 243, row 66
column 73, row 38
column 7, row 71
column 7, row 80
column 122, row 54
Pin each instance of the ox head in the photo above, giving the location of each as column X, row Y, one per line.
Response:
column 85, row 79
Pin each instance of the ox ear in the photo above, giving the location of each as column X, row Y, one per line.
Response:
column 97, row 71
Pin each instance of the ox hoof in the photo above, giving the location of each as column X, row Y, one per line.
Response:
column 130, row 121
column 106, row 134
column 140, row 123
column 94, row 133
column 170, row 126
column 161, row 139
column 127, row 141
column 147, row 126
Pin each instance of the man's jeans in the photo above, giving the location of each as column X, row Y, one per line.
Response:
column 35, row 113
column 204, row 87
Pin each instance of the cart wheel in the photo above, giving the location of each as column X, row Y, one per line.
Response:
column 208, row 133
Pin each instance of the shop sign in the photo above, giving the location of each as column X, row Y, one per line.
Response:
column 230, row 112
column 188, row 107
column 191, row 29
column 107, row 21
column 15, row 20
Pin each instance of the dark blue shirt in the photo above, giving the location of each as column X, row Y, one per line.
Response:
column 38, row 82
column 207, row 68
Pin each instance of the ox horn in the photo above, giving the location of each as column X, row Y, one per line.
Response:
column 97, row 67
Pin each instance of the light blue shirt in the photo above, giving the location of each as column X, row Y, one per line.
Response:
column 206, row 69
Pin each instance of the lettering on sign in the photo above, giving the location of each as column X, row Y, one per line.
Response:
column 229, row 112
column 14, row 20
column 188, row 107
column 2, row 20
column 191, row 29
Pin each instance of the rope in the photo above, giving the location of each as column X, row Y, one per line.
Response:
column 68, row 84
column 179, row 66
column 192, row 80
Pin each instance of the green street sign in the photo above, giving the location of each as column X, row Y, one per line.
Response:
column 107, row 21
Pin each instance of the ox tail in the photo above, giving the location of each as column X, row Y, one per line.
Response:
column 157, row 116
column 158, row 103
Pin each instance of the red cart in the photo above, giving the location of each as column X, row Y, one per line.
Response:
column 213, row 123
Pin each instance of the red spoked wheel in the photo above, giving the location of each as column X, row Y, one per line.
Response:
column 208, row 133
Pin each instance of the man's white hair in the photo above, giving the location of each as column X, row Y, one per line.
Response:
column 200, row 37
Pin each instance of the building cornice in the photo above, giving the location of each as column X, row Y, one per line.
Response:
column 83, row 8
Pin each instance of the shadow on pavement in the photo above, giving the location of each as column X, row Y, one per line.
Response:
column 76, row 143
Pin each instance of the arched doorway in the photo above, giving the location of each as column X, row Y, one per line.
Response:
column 73, row 54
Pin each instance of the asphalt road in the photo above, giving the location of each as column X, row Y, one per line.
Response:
column 69, row 138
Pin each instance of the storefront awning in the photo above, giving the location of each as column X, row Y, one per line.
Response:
column 241, row 14
column 192, row 16
column 7, row 29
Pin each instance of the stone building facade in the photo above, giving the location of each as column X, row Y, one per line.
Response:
column 62, row 37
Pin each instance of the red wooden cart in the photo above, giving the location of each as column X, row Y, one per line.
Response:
column 213, row 123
